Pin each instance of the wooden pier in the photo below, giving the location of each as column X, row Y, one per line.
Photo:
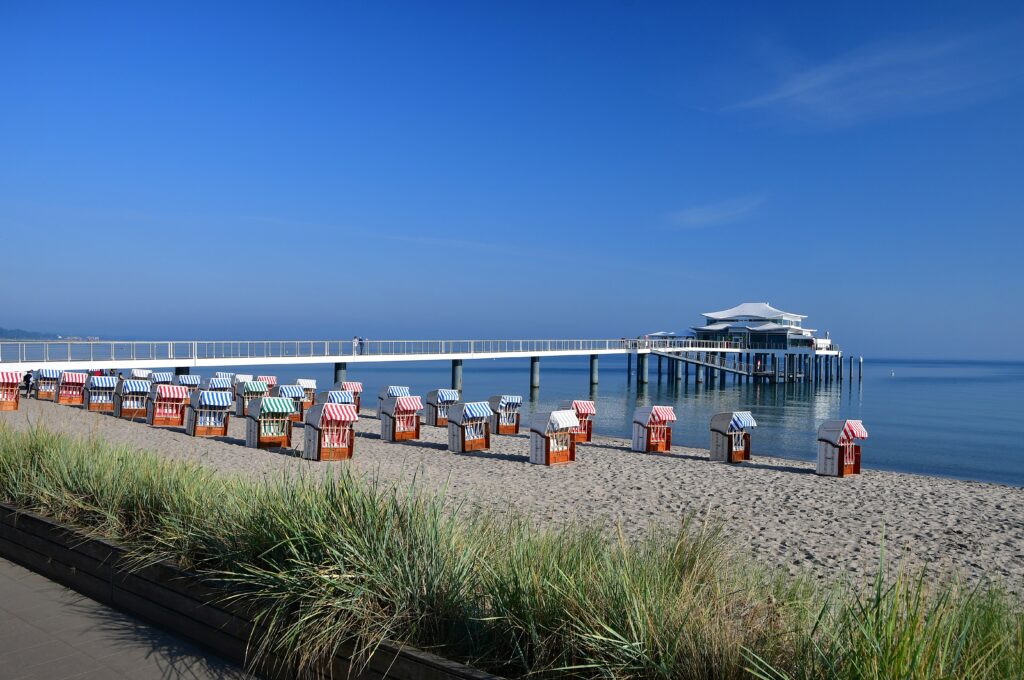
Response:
column 711, row 361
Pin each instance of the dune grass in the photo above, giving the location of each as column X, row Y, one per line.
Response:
column 336, row 561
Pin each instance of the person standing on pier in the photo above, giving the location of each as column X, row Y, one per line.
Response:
column 355, row 345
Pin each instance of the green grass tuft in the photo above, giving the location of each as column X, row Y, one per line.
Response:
column 336, row 561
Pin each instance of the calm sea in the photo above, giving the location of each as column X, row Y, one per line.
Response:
column 954, row 419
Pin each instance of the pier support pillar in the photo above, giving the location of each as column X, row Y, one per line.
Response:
column 457, row 374
column 659, row 367
column 679, row 370
column 629, row 365
column 181, row 370
column 641, row 368
column 686, row 372
column 534, row 372
column 860, row 369
column 340, row 372
column 593, row 369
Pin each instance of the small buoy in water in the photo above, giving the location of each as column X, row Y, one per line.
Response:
column 894, row 374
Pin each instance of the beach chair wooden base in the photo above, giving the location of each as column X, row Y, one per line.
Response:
column 407, row 435
column 511, row 428
column 169, row 421
column 101, row 407
column 9, row 405
column 295, row 417
column 560, row 457
column 45, row 396
column 478, row 444
column 211, row 430
column 71, row 400
column 277, row 442
column 334, row 453
column 659, row 445
column 133, row 413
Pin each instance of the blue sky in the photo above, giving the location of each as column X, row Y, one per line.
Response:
column 475, row 169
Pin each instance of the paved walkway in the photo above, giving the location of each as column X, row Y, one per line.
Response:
column 48, row 631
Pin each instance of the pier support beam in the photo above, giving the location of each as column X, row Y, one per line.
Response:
column 534, row 372
column 340, row 372
column 593, row 369
column 641, row 368
column 181, row 370
column 860, row 369
column 457, row 375
column 679, row 370
column 629, row 366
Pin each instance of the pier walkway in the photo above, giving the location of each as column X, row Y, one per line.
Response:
column 715, row 358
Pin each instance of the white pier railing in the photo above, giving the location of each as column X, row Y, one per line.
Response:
column 208, row 352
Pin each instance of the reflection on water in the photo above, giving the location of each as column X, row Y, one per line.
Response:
column 941, row 418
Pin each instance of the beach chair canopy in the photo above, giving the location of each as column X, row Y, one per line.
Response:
column 219, row 384
column 306, row 383
column 161, row 377
column 135, row 387
column 141, row 373
column 474, row 410
column 732, row 421
column 654, row 415
column 501, row 402
column 242, row 378
column 334, row 414
column 270, row 380
column 554, row 421
column 69, row 378
column 442, row 396
column 291, row 391
column 276, row 405
column 170, row 392
column 340, row 413
column 10, row 378
column 393, row 391
column 353, row 387
column 102, row 382
column 254, row 386
column 189, row 380
column 405, row 405
column 212, row 400
column 583, row 408
column 340, row 397
column 837, row 432
column 223, row 374
column 51, row 373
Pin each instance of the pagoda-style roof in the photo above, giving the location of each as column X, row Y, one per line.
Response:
column 753, row 310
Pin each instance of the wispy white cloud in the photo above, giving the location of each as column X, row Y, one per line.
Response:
column 714, row 214
column 916, row 76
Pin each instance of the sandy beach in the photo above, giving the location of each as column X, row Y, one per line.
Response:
column 777, row 509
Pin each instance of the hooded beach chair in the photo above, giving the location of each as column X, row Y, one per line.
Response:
column 130, row 398
column 165, row 406
column 328, row 433
column 551, row 437
column 400, row 418
column 268, row 424
column 208, row 413
column 438, row 402
column 506, row 408
column 730, row 439
column 10, row 390
column 838, row 450
column 469, row 426
column 652, row 429
column 99, row 393
column 71, row 388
